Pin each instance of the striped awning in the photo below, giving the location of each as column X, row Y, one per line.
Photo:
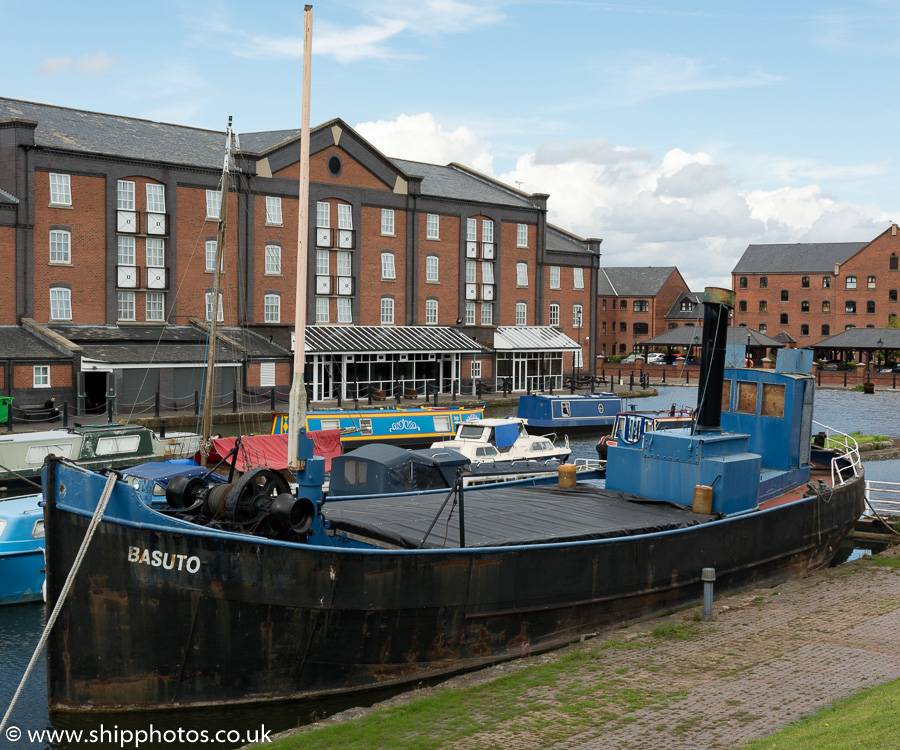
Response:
column 385, row 339
column 534, row 338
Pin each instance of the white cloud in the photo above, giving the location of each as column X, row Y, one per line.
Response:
column 684, row 210
column 421, row 138
column 90, row 65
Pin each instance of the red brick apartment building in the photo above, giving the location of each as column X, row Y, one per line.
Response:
column 111, row 222
column 636, row 304
column 814, row 290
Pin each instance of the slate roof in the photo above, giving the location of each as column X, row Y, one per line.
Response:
column 18, row 343
column 560, row 241
column 676, row 313
column 687, row 335
column 458, row 183
column 382, row 339
column 625, row 281
column 534, row 338
column 810, row 257
column 8, row 197
column 256, row 346
column 862, row 338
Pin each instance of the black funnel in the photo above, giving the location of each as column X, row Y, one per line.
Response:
column 716, row 306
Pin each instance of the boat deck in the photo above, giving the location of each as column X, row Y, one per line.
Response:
column 506, row 516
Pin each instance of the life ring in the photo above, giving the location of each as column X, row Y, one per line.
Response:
column 748, row 362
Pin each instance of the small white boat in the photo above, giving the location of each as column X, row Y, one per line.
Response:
column 492, row 440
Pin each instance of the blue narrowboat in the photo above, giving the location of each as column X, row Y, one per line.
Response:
column 21, row 550
column 575, row 414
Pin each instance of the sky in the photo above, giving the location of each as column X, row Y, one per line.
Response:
column 678, row 132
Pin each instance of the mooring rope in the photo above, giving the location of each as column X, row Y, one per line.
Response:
column 95, row 521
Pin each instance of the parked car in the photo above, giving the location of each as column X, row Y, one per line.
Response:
column 655, row 358
column 632, row 358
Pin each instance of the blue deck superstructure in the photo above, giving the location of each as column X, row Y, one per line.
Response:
column 569, row 414
column 21, row 550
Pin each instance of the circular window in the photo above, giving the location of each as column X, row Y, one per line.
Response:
column 335, row 166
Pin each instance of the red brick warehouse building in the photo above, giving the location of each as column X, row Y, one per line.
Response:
column 111, row 221
column 814, row 290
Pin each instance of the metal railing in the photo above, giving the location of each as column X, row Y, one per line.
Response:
column 882, row 498
column 846, row 465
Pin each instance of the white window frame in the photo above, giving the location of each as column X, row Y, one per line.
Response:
column 213, row 204
column 323, row 215
column 521, row 235
column 220, row 317
column 272, row 308
column 60, row 189
column 126, row 254
column 387, row 311
column 41, row 376
column 521, row 273
column 577, row 316
column 211, row 250
column 156, row 198
column 323, row 314
column 387, row 222
column 388, row 269
column 471, row 230
column 476, row 369
column 266, row 374
column 850, row 282
column 344, row 263
column 431, row 312
column 554, row 276
column 323, row 262
column 344, row 310
column 471, row 272
column 487, row 272
column 60, row 303
column 578, row 278
column 432, row 269
column 345, row 216
column 156, row 307
column 432, row 227
column 125, row 306
column 156, row 252
column 470, row 313
column 521, row 314
column 273, row 260
column 273, row 211
column 60, row 247
column 487, row 313
column 487, row 230
column 554, row 314
column 125, row 195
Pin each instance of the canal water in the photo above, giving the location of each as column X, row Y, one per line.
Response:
column 21, row 625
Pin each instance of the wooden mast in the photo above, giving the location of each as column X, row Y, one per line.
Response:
column 297, row 403
column 209, row 383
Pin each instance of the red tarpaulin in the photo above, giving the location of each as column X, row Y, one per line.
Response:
column 271, row 450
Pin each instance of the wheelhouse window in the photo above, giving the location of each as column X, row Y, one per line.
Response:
column 60, row 189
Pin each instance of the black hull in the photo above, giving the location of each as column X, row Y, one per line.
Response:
column 262, row 621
